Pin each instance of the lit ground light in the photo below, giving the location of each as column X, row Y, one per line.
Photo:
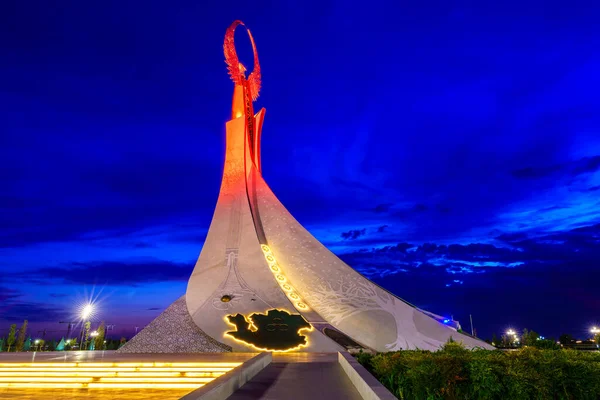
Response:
column 106, row 380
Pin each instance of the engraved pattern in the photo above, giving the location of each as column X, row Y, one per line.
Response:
column 232, row 176
column 348, row 297
column 341, row 295
column 234, row 285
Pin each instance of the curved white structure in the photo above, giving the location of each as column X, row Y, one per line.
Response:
column 257, row 258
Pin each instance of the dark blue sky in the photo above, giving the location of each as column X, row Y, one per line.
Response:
column 450, row 152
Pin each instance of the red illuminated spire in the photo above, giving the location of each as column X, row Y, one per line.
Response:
column 245, row 92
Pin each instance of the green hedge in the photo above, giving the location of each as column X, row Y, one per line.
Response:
column 457, row 373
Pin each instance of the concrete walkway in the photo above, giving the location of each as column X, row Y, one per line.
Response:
column 311, row 376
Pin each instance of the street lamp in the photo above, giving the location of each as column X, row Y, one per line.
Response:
column 596, row 335
column 512, row 333
column 94, row 334
column 86, row 311
column 37, row 342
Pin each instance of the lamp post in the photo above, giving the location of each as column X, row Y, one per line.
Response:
column 37, row 343
column 85, row 313
column 512, row 333
column 596, row 336
column 94, row 334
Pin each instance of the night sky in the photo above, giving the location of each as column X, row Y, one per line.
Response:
column 450, row 153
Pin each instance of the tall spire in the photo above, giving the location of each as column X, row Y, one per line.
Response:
column 246, row 90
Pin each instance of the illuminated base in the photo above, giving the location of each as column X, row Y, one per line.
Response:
column 155, row 375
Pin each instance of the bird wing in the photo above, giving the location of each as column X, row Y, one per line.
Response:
column 254, row 79
column 231, row 58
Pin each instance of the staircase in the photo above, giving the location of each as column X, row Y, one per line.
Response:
column 111, row 375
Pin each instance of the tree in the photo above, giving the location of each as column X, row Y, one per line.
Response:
column 70, row 343
column 529, row 337
column 565, row 339
column 27, row 345
column 21, row 337
column 11, row 336
column 597, row 338
column 495, row 341
column 86, row 328
column 506, row 341
column 99, row 341
column 546, row 344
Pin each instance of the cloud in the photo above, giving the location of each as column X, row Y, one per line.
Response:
column 574, row 168
column 8, row 294
column 577, row 246
column 593, row 188
column 353, row 234
column 420, row 207
column 58, row 295
column 535, row 172
column 413, row 212
column 381, row 208
column 33, row 312
column 144, row 245
column 118, row 198
column 382, row 228
column 586, row 165
column 443, row 209
column 110, row 273
column 153, row 309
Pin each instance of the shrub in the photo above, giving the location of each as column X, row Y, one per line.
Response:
column 457, row 373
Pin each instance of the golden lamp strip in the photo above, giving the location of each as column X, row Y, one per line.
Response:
column 282, row 280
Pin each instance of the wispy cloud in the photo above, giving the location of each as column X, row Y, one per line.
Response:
column 109, row 273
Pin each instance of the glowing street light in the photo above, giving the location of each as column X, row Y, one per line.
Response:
column 86, row 311
column 512, row 333
column 94, row 334
column 595, row 330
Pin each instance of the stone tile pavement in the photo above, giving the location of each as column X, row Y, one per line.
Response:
column 311, row 376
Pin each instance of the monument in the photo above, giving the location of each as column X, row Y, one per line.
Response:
column 263, row 282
